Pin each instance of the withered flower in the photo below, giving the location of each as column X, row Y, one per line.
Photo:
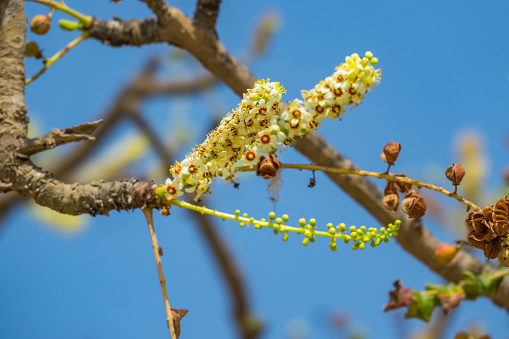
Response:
column 455, row 173
column 486, row 227
column 390, row 152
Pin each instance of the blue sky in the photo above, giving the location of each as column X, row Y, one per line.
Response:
column 444, row 74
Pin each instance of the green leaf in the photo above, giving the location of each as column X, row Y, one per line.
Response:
column 422, row 305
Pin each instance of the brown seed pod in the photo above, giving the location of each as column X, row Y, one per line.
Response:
column 455, row 173
column 40, row 24
column 390, row 152
column 391, row 201
column 414, row 205
column 267, row 167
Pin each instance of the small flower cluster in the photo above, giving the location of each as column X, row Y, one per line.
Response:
column 261, row 123
column 327, row 99
column 228, row 143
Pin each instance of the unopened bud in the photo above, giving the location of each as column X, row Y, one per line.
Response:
column 40, row 24
column 32, row 49
column 390, row 152
column 455, row 173
column 503, row 256
column 391, row 201
column 444, row 253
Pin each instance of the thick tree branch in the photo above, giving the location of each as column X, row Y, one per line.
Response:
column 13, row 121
column 180, row 32
column 59, row 137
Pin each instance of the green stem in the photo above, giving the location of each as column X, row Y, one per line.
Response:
column 85, row 19
column 281, row 226
column 58, row 55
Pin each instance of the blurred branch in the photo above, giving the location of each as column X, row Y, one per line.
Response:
column 248, row 326
column 206, row 14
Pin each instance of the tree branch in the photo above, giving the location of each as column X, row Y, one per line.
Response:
column 206, row 14
column 59, row 137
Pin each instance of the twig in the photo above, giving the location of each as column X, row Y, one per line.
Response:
column 61, row 6
column 390, row 177
column 59, row 137
column 58, row 55
column 150, row 222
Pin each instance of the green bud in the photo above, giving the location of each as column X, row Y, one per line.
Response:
column 368, row 55
column 361, row 246
column 333, row 246
column 373, row 245
column 341, row 227
column 330, row 225
column 374, row 61
column 242, row 224
column 251, row 220
column 262, row 220
column 275, row 232
column 382, row 230
column 285, row 237
column 353, row 228
column 363, row 229
column 244, row 215
column 366, row 240
column 377, row 242
column 312, row 222
column 353, row 235
column 237, row 213
column 285, row 218
column 386, row 240
column 302, row 222
column 257, row 226
column 272, row 215
column 67, row 25
column 279, row 221
column 355, row 246
column 305, row 242
column 32, row 50
column 332, row 231
column 312, row 238
column 307, row 233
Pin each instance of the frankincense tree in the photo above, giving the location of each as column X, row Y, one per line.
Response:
column 251, row 137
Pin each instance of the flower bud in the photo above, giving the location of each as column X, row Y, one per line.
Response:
column 390, row 152
column 40, row 24
column 455, row 173
column 444, row 253
column 32, row 50
column 391, row 201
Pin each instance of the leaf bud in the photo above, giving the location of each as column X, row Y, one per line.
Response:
column 455, row 173
column 390, row 152
column 40, row 24
column 445, row 253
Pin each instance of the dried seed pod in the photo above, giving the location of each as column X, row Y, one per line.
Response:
column 390, row 188
column 391, row 201
column 390, row 152
column 267, row 167
column 40, row 24
column 455, row 173
column 492, row 249
column 401, row 186
column 414, row 205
